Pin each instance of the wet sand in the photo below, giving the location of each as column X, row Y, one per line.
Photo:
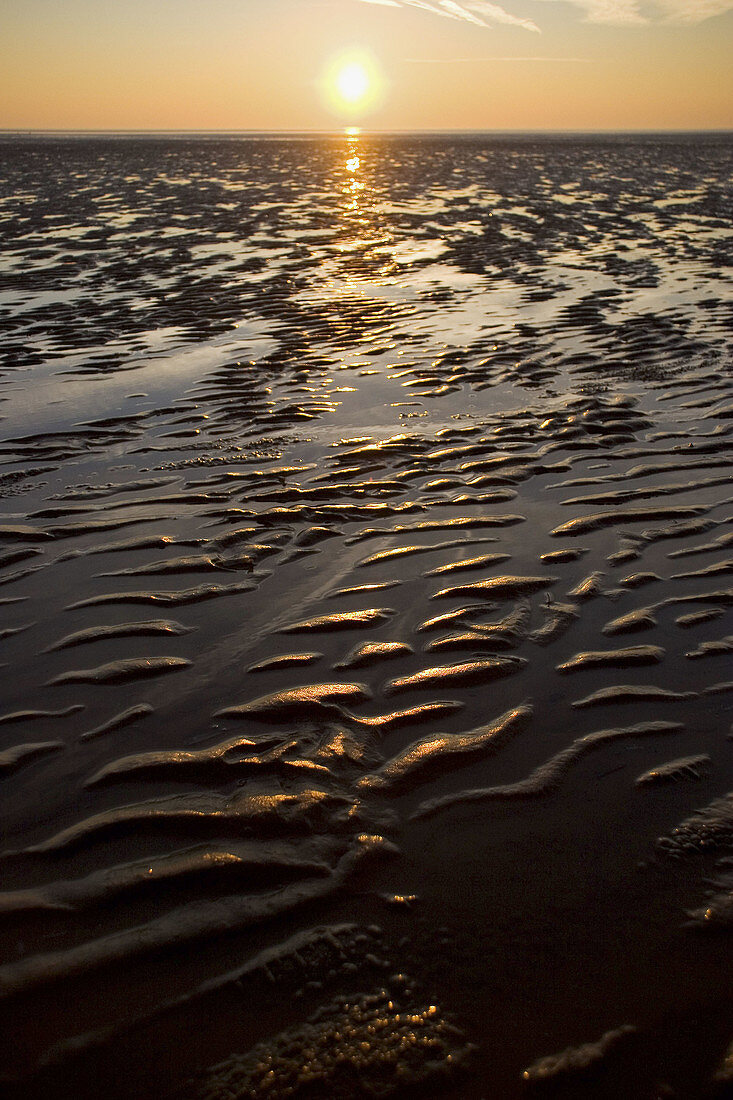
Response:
column 365, row 561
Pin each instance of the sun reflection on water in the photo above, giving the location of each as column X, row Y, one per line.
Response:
column 353, row 165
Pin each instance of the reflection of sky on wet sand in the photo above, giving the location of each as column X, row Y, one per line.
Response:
column 168, row 364
column 322, row 247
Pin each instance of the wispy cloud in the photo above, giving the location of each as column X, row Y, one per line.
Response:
column 619, row 12
column 458, row 12
column 636, row 12
column 693, row 11
column 479, row 12
column 484, row 60
column 627, row 13
column 497, row 14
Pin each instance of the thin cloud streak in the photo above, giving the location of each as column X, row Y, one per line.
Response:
column 621, row 13
column 499, row 15
column 617, row 12
column 451, row 8
column 465, row 60
column 480, row 13
column 694, row 11
column 630, row 13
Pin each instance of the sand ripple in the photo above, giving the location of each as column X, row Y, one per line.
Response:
column 239, row 388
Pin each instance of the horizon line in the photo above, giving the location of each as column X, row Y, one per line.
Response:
column 23, row 131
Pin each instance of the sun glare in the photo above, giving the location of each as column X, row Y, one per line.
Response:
column 352, row 82
column 352, row 85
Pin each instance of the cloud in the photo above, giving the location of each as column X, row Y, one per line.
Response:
column 619, row 12
column 499, row 15
column 458, row 12
column 434, row 9
column 634, row 12
column 479, row 12
column 484, row 60
column 693, row 11
column 622, row 13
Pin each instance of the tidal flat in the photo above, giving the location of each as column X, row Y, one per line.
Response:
column 365, row 617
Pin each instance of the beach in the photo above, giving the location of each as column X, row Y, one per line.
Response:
column 365, row 560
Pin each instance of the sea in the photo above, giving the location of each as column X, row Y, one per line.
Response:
column 365, row 616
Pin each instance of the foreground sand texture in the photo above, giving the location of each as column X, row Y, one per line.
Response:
column 366, row 566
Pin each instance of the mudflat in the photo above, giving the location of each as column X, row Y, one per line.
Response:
column 365, row 617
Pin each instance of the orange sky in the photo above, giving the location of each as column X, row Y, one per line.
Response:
column 439, row 64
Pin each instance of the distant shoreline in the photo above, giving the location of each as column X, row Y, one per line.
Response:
column 346, row 131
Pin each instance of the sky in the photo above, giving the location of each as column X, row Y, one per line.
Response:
column 419, row 64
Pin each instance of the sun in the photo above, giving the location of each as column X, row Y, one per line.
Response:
column 352, row 82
